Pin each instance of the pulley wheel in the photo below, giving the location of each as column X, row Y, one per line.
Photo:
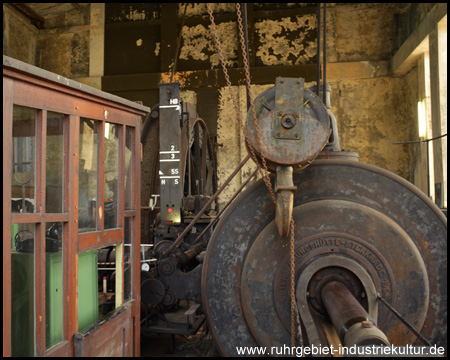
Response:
column 294, row 125
column 352, row 221
column 152, row 291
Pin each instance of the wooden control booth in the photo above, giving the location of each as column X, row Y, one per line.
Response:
column 71, row 217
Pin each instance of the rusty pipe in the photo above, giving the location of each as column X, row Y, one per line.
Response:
column 350, row 319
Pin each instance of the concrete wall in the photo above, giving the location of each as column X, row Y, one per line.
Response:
column 63, row 45
column 374, row 105
column 19, row 36
column 370, row 105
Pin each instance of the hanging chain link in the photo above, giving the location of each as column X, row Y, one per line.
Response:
column 294, row 312
column 264, row 174
column 252, row 104
column 263, row 170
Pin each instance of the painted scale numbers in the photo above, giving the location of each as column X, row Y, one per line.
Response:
column 170, row 173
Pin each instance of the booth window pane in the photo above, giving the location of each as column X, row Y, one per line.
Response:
column 128, row 263
column 129, row 168
column 88, row 176
column 54, row 198
column 111, row 174
column 23, row 289
column 53, row 284
column 23, row 198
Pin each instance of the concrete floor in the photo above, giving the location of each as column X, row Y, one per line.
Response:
column 159, row 345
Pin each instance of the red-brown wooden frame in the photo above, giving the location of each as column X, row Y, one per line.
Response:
column 28, row 86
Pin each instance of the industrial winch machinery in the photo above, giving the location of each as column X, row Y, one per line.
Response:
column 370, row 249
column 172, row 262
column 324, row 251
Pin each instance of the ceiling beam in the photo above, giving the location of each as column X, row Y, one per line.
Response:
column 35, row 19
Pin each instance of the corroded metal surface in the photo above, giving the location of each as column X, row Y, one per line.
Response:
column 341, row 208
column 338, row 155
column 284, row 190
column 292, row 132
column 346, row 312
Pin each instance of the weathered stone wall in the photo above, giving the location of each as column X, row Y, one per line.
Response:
column 373, row 108
column 61, row 46
column 19, row 36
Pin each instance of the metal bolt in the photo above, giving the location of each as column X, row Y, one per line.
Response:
column 288, row 121
column 367, row 324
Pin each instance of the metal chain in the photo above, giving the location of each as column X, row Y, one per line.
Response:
column 235, row 104
column 294, row 312
column 265, row 172
column 252, row 104
column 294, row 309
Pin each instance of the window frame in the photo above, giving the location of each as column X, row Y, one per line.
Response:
column 31, row 87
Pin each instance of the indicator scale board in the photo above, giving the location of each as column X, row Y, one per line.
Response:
column 169, row 155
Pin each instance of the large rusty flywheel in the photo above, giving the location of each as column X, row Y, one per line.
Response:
column 355, row 224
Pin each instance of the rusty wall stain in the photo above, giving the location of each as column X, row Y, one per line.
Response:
column 194, row 9
column 365, row 33
column 288, row 41
column 130, row 12
column 198, row 44
column 371, row 112
column 371, row 116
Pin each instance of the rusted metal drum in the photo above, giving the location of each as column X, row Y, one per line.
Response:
column 354, row 223
column 293, row 123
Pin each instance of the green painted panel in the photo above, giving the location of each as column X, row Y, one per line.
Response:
column 22, row 304
column 53, row 299
column 87, row 289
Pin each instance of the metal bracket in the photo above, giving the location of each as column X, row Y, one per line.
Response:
column 288, row 112
column 284, row 190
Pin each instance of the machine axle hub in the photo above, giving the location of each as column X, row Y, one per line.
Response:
column 349, row 318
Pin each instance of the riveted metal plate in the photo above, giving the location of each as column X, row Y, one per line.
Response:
column 288, row 114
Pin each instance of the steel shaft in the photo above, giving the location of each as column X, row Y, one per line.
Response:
column 349, row 318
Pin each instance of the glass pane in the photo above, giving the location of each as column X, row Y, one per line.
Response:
column 107, row 261
column 129, row 136
column 23, row 198
column 53, row 284
column 111, row 174
column 22, row 289
column 88, row 179
column 127, row 266
column 54, row 200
